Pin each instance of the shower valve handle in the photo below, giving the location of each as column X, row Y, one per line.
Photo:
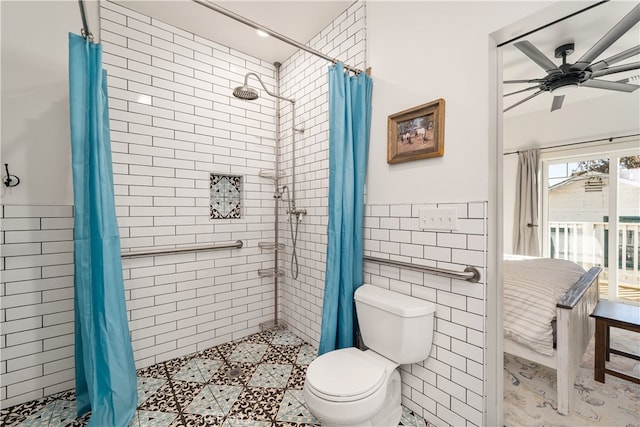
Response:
column 297, row 211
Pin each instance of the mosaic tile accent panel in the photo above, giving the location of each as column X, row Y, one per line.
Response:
column 226, row 196
column 236, row 384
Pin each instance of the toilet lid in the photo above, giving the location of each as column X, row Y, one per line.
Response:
column 345, row 375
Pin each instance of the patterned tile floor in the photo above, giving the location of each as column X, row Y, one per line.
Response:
column 256, row 381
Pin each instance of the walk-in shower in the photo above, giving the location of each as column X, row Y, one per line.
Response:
column 295, row 214
column 248, row 93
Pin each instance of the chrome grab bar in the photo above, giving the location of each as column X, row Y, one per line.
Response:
column 212, row 247
column 470, row 273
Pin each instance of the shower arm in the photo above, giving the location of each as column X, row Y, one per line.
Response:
column 246, row 79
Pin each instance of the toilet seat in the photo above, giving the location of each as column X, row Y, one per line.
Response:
column 345, row 375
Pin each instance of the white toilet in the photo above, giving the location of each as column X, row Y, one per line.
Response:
column 351, row 387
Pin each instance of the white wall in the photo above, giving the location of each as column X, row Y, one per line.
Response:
column 36, row 339
column 35, row 93
column 305, row 78
column 419, row 52
column 36, row 356
column 448, row 387
column 509, row 172
column 173, row 121
column 455, row 66
column 422, row 51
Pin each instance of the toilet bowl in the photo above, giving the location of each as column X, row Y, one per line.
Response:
column 363, row 387
column 351, row 387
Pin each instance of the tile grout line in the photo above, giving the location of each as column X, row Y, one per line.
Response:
column 175, row 397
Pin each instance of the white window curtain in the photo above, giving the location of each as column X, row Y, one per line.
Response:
column 526, row 239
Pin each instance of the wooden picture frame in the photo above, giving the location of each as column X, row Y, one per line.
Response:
column 416, row 133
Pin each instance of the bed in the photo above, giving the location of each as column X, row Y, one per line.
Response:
column 547, row 303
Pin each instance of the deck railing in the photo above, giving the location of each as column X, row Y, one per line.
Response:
column 586, row 243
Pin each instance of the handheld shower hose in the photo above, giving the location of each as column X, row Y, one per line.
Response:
column 293, row 213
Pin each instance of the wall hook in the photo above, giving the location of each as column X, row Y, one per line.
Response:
column 10, row 180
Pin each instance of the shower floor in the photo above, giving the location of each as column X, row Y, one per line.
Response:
column 255, row 381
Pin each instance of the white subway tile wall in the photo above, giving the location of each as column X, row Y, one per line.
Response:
column 36, row 310
column 304, row 77
column 447, row 388
column 173, row 122
column 176, row 123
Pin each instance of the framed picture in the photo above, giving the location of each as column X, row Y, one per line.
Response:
column 417, row 133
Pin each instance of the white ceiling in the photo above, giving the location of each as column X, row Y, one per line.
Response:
column 303, row 19
column 584, row 29
column 299, row 20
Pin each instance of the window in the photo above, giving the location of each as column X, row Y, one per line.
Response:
column 586, row 196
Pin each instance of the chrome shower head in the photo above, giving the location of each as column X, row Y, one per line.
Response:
column 245, row 92
column 248, row 93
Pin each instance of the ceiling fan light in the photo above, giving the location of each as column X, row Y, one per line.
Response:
column 564, row 89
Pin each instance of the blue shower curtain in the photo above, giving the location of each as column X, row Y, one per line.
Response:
column 349, row 129
column 105, row 370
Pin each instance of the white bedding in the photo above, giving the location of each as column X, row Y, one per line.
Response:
column 532, row 287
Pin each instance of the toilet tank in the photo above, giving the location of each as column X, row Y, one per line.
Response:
column 396, row 326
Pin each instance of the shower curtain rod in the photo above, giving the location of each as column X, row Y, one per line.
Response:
column 610, row 139
column 85, row 26
column 274, row 34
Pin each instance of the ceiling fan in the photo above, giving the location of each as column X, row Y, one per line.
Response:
column 563, row 78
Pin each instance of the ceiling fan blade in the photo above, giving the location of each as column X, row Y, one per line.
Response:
column 616, row 69
column 630, row 79
column 625, row 24
column 521, row 101
column 520, row 91
column 604, row 84
column 536, row 56
column 524, row 81
column 615, row 58
column 557, row 102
